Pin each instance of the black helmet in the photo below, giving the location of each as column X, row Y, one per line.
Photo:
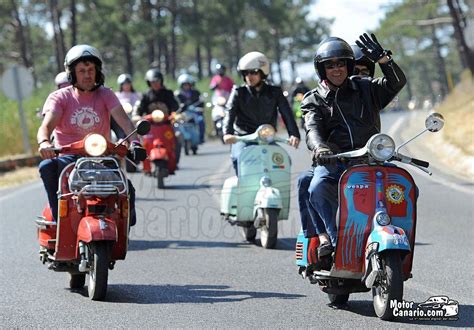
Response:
column 153, row 75
column 332, row 48
column 361, row 59
column 220, row 68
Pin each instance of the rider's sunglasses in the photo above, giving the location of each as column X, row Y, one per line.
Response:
column 251, row 72
column 361, row 71
column 334, row 64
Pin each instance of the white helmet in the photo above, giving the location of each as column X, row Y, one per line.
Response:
column 254, row 61
column 61, row 78
column 185, row 79
column 79, row 52
column 124, row 77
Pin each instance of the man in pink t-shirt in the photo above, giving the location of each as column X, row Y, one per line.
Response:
column 220, row 83
column 72, row 112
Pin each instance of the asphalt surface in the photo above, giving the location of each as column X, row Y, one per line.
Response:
column 186, row 268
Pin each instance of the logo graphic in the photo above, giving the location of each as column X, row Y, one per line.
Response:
column 435, row 308
column 394, row 194
column 85, row 118
column 277, row 158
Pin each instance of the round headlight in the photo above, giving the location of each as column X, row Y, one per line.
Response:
column 95, row 145
column 381, row 147
column 382, row 218
column 221, row 100
column 157, row 116
column 266, row 132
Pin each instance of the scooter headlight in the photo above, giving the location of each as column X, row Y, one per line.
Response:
column 266, row 181
column 382, row 218
column 95, row 145
column 157, row 116
column 221, row 100
column 266, row 132
column 127, row 107
column 381, row 147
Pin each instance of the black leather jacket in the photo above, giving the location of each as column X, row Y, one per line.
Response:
column 162, row 99
column 246, row 110
column 345, row 119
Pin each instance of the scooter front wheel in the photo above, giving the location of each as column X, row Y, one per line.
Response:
column 99, row 270
column 390, row 286
column 269, row 233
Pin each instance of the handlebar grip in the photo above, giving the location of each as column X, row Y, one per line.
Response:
column 420, row 162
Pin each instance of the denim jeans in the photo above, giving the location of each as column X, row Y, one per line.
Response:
column 323, row 197
column 50, row 170
column 311, row 223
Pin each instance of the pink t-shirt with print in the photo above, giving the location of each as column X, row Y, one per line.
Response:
column 80, row 114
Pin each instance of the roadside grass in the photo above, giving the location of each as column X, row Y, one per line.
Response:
column 458, row 110
column 19, row 176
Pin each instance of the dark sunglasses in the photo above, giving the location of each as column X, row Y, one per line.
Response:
column 334, row 64
column 247, row 72
column 361, row 72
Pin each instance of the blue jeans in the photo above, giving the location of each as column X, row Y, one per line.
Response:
column 323, row 198
column 236, row 150
column 50, row 170
column 202, row 126
column 311, row 223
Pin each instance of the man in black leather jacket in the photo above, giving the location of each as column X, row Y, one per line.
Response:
column 254, row 104
column 341, row 115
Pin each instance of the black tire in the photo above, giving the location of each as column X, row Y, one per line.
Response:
column 99, row 270
column 187, row 147
column 77, row 281
column 391, row 286
column 160, row 173
column 338, row 299
column 269, row 232
column 249, row 232
column 160, row 179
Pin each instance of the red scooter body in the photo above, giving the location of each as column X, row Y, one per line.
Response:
column 160, row 144
column 93, row 219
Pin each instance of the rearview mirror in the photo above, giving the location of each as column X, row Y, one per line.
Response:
column 143, row 127
column 434, row 122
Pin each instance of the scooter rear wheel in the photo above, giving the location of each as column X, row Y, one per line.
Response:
column 338, row 299
column 390, row 287
column 269, row 232
column 77, row 281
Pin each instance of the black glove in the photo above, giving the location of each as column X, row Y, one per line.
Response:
column 137, row 152
column 320, row 156
column 372, row 48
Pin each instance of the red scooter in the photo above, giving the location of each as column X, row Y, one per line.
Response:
column 93, row 215
column 160, row 144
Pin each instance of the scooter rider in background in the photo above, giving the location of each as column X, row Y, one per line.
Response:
column 341, row 115
column 73, row 112
column 127, row 93
column 254, row 104
column 189, row 96
column 61, row 80
column 220, row 83
column 363, row 68
column 158, row 96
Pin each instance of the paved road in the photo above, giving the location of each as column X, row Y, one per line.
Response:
column 188, row 268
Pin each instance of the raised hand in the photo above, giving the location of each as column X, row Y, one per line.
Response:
column 371, row 47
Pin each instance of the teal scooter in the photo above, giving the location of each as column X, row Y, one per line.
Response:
column 260, row 195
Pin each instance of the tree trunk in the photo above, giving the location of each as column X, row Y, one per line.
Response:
column 198, row 39
column 146, row 11
column 441, row 65
column 278, row 56
column 465, row 52
column 209, row 55
column 174, row 57
column 73, row 25
column 30, row 52
column 20, row 35
column 58, row 34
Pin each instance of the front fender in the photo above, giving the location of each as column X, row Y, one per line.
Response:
column 389, row 238
column 94, row 229
column 268, row 197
